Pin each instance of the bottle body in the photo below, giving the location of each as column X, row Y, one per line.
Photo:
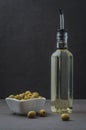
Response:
column 62, row 81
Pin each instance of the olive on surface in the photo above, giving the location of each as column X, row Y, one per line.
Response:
column 65, row 116
column 31, row 114
column 42, row 112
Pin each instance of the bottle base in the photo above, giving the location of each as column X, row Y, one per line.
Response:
column 61, row 110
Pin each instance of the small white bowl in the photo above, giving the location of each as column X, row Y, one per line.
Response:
column 23, row 106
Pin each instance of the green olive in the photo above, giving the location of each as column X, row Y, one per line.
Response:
column 65, row 116
column 28, row 92
column 26, row 95
column 31, row 114
column 17, row 97
column 42, row 112
column 11, row 96
column 35, row 95
column 40, row 97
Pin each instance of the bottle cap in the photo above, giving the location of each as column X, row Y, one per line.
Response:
column 62, row 35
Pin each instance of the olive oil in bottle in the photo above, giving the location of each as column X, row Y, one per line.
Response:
column 62, row 73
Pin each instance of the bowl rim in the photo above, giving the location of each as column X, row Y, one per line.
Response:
column 23, row 100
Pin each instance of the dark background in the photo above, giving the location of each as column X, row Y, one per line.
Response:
column 28, row 38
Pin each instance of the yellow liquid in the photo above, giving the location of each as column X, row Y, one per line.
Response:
column 62, row 81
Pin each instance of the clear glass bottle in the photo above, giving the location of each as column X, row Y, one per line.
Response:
column 62, row 73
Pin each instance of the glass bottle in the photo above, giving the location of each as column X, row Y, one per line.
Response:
column 62, row 73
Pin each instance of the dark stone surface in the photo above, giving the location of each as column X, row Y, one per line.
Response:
column 10, row 121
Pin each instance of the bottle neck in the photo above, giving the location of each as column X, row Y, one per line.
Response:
column 62, row 45
column 62, row 37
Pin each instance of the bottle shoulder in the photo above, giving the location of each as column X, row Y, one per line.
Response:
column 59, row 52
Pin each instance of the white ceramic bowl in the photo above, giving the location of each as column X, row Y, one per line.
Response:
column 23, row 106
